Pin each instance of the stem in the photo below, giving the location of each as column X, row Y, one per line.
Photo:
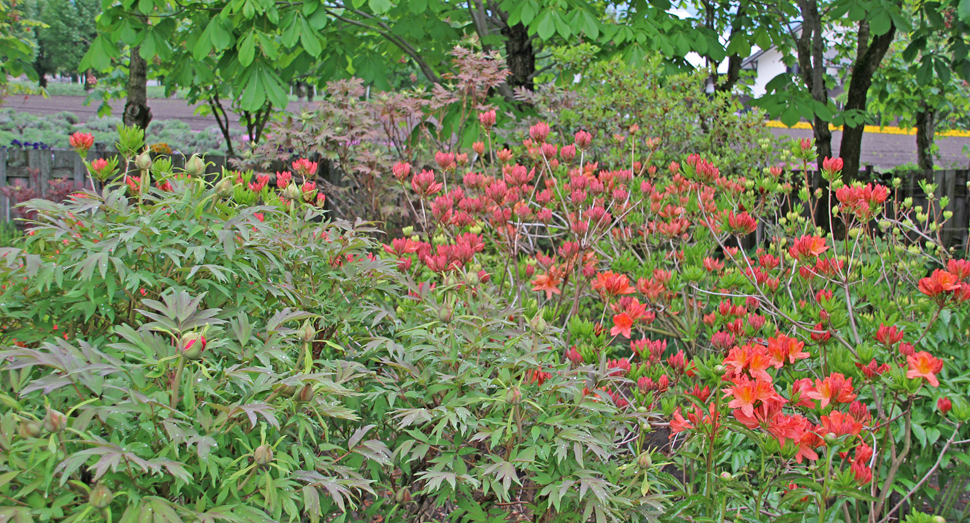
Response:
column 176, row 383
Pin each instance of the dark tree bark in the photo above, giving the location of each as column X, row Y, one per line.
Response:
column 811, row 65
column 868, row 57
column 223, row 120
column 42, row 79
column 925, row 130
column 520, row 56
column 734, row 61
column 137, row 112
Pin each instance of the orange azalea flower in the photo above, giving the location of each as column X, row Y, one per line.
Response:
column 807, row 247
column 807, row 444
column 924, row 365
column 840, row 424
column 768, row 412
column 750, row 357
column 800, row 389
column 695, row 418
column 622, row 324
column 746, row 392
column 548, row 282
column 940, row 282
column 782, row 347
column 613, row 284
column 678, row 423
column 833, row 389
column 758, row 363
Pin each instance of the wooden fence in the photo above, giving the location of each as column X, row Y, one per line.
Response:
column 36, row 168
column 16, row 166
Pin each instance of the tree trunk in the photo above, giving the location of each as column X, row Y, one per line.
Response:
column 520, row 56
column 42, row 79
column 925, row 129
column 137, row 112
column 811, row 65
column 868, row 57
column 727, row 83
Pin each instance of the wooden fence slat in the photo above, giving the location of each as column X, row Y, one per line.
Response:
column 80, row 171
column 4, row 201
column 44, row 164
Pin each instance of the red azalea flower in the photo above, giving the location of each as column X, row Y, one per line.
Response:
column 807, row 247
column 613, row 284
column 622, row 324
column 840, row 424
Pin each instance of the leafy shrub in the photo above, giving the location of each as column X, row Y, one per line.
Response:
column 164, row 361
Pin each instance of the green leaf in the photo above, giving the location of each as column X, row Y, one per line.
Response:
column 204, row 43
column 253, row 98
column 221, row 38
column 380, row 6
column 418, row 6
column 545, row 26
column 247, row 49
column 319, row 19
column 561, row 26
column 790, row 116
column 311, row 44
column 920, row 434
column 880, row 21
column 274, row 87
column 100, row 54
column 963, row 11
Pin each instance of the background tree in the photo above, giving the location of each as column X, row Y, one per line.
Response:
column 17, row 45
column 913, row 91
column 69, row 27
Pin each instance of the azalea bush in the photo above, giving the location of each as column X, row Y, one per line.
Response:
column 807, row 377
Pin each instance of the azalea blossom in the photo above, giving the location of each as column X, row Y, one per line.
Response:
column 924, row 365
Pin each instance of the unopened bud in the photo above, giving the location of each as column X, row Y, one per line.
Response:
column 307, row 332
column 263, row 455
column 471, row 278
column 143, row 161
column 192, row 345
column 513, row 396
column 100, row 496
column 445, row 314
column 538, row 324
column 224, row 187
column 644, row 461
column 30, row 429
column 292, row 192
column 287, row 391
column 194, row 166
column 55, row 421
column 306, row 393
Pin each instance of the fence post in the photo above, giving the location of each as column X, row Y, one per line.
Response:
column 80, row 171
column 44, row 164
column 4, row 201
